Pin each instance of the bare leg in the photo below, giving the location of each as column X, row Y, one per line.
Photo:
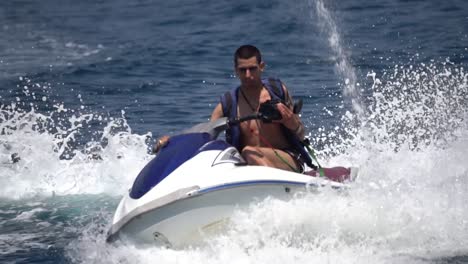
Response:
column 267, row 157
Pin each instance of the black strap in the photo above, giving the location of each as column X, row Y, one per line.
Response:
column 276, row 87
column 227, row 104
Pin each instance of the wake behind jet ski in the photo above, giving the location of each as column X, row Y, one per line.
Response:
column 196, row 181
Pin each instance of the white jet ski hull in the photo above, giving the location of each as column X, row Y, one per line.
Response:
column 190, row 218
column 192, row 188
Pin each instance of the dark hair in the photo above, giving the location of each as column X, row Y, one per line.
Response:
column 247, row 52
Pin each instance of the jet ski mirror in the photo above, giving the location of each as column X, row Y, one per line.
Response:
column 297, row 106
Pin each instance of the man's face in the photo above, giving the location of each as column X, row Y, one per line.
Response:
column 249, row 71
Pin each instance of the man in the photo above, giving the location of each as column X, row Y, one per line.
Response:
column 260, row 143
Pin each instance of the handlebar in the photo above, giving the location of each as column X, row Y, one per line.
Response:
column 245, row 118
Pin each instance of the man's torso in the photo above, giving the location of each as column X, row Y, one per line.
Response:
column 255, row 132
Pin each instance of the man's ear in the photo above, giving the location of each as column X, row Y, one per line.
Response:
column 262, row 66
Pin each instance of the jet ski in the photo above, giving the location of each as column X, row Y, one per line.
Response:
column 191, row 188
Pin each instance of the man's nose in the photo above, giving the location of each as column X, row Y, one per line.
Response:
column 247, row 73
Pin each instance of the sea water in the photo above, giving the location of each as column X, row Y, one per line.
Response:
column 87, row 86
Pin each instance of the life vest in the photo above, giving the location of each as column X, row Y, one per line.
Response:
column 275, row 89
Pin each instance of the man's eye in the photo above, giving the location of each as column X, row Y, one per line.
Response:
column 251, row 69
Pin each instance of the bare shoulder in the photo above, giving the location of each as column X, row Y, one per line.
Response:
column 217, row 112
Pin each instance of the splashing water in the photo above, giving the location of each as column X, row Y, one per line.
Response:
column 343, row 67
column 415, row 106
column 55, row 159
column 409, row 203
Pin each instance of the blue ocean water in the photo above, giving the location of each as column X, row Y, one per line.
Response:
column 384, row 88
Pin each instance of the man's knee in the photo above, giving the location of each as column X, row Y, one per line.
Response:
column 252, row 155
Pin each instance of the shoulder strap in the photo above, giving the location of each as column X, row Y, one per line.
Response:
column 275, row 87
column 226, row 103
column 229, row 105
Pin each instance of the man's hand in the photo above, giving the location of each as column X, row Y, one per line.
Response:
column 160, row 143
column 290, row 120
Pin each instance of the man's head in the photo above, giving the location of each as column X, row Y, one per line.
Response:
column 247, row 52
column 248, row 65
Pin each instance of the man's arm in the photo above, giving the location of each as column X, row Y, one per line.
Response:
column 162, row 141
column 217, row 112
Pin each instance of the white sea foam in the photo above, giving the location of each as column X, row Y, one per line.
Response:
column 51, row 163
column 28, row 215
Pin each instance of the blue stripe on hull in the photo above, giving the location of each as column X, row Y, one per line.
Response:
column 238, row 184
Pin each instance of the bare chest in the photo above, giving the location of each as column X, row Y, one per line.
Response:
column 255, row 132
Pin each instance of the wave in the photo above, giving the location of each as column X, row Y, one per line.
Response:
column 66, row 151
